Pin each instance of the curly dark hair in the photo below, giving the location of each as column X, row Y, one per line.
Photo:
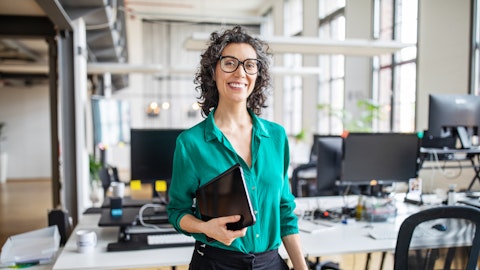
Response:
column 204, row 78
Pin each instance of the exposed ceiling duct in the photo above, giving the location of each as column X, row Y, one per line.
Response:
column 106, row 38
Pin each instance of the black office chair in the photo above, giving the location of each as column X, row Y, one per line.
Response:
column 318, row 176
column 106, row 179
column 298, row 174
column 423, row 239
column 114, row 174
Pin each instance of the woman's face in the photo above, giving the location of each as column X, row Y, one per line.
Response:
column 236, row 86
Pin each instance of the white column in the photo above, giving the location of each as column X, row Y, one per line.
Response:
column 277, row 96
column 80, row 75
column 310, row 82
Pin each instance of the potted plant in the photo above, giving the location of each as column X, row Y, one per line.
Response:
column 369, row 111
column 96, row 189
column 3, row 156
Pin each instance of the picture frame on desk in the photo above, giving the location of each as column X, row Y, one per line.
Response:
column 414, row 192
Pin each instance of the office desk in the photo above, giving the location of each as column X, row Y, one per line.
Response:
column 341, row 239
column 69, row 258
column 351, row 237
column 471, row 154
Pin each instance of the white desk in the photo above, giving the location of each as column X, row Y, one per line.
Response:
column 101, row 259
column 342, row 239
column 351, row 237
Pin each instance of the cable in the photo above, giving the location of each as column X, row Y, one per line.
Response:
column 149, row 225
column 443, row 171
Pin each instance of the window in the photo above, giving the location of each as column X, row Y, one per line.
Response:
column 331, row 81
column 292, row 84
column 394, row 76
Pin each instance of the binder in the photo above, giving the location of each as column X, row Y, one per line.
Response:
column 226, row 195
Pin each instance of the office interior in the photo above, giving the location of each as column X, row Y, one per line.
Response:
column 50, row 133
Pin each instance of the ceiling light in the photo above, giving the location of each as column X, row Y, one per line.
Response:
column 313, row 45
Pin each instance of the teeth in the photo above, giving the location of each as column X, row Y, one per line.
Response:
column 236, row 84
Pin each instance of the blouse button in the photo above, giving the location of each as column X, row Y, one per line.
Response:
column 257, row 235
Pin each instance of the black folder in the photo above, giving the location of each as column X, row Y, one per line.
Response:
column 226, row 195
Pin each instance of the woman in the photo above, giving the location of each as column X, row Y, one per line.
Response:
column 232, row 81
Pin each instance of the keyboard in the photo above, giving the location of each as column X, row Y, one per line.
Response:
column 165, row 239
column 142, row 241
column 383, row 234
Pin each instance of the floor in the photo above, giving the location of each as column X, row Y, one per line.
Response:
column 24, row 205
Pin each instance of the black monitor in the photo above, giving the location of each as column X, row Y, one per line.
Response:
column 383, row 157
column 329, row 160
column 151, row 154
column 454, row 115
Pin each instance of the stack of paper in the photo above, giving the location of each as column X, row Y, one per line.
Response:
column 38, row 246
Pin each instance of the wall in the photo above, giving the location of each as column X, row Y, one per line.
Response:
column 443, row 51
column 26, row 112
column 442, row 67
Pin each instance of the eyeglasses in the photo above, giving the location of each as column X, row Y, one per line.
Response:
column 229, row 64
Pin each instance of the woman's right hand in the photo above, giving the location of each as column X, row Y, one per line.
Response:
column 216, row 228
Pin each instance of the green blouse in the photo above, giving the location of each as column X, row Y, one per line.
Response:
column 203, row 152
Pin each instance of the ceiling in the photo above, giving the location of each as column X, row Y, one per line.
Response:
column 24, row 59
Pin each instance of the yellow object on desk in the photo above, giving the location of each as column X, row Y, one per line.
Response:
column 135, row 185
column 160, row 185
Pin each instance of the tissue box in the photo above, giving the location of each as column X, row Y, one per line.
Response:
column 37, row 246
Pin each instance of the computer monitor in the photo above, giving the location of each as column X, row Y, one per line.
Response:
column 151, row 154
column 454, row 115
column 329, row 160
column 383, row 157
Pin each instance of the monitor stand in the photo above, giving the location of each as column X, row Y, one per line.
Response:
column 464, row 137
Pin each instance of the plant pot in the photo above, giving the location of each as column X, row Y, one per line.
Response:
column 96, row 194
column 3, row 167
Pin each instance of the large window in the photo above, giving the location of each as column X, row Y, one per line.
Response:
column 292, row 84
column 332, row 78
column 394, row 76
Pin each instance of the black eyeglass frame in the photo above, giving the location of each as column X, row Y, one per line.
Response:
column 259, row 63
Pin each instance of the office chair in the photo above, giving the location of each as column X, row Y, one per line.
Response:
column 298, row 174
column 106, row 179
column 323, row 168
column 63, row 221
column 422, row 235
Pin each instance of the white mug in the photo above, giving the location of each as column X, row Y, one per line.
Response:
column 118, row 189
column 86, row 241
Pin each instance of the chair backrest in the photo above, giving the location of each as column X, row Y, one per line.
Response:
column 106, row 178
column 115, row 176
column 453, row 215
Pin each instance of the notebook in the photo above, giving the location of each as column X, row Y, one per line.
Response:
column 226, row 195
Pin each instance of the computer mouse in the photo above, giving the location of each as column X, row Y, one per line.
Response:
column 439, row 227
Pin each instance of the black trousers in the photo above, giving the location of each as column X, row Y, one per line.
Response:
column 212, row 258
